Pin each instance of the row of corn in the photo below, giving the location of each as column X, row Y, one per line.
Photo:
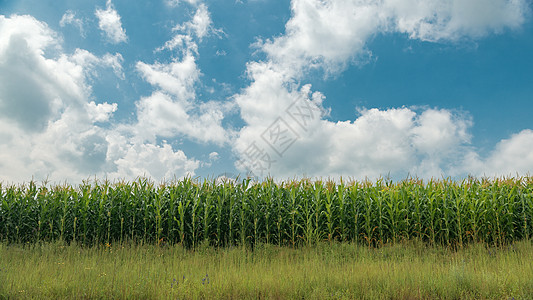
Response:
column 294, row 213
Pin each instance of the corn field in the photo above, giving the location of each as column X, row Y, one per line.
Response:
column 291, row 213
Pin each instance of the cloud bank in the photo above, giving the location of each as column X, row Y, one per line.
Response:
column 329, row 36
column 51, row 124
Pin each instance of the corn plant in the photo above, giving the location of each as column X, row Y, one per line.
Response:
column 292, row 213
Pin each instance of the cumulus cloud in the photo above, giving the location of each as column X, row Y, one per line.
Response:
column 510, row 157
column 324, row 34
column 177, row 78
column 46, row 98
column 109, row 22
column 173, row 108
column 330, row 35
column 160, row 115
column 50, row 125
column 34, row 89
column 455, row 19
column 101, row 112
column 154, row 161
column 296, row 140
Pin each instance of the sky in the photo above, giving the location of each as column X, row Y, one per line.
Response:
column 288, row 89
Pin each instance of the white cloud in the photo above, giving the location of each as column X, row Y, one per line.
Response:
column 439, row 130
column 89, row 62
column 115, row 62
column 35, row 89
column 378, row 142
column 324, row 34
column 157, row 162
column 69, row 17
column 330, row 35
column 45, row 101
column 177, row 2
column 455, row 19
column 173, row 108
column 214, row 156
column 50, row 125
column 160, row 115
column 101, row 112
column 181, row 42
column 510, row 157
column 177, row 78
column 200, row 25
column 171, row 111
column 109, row 22
column 20, row 27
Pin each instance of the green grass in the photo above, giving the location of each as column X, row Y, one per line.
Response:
column 334, row 270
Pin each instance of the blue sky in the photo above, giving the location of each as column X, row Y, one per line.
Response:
column 175, row 88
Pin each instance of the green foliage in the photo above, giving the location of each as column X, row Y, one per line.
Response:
column 247, row 213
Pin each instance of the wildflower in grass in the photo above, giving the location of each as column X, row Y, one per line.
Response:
column 174, row 281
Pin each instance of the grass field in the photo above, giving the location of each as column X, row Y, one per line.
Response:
column 324, row 271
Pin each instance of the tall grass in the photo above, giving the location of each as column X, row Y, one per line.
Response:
column 324, row 271
column 246, row 213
